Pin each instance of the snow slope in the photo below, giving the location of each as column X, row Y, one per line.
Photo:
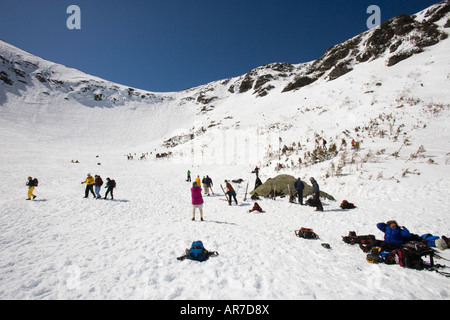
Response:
column 61, row 246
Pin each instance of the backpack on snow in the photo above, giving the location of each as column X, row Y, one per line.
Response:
column 197, row 252
column 410, row 255
column 352, row 238
column 347, row 205
column 306, row 233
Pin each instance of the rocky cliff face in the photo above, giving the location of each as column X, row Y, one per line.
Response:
column 394, row 41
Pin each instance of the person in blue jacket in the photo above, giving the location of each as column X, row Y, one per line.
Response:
column 393, row 234
column 394, row 237
column 299, row 186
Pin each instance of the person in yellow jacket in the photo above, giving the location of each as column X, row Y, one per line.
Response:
column 89, row 185
column 198, row 181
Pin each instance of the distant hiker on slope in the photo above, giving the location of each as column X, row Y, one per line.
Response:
column 197, row 200
column 89, row 185
column 299, row 186
column 230, row 192
column 31, row 183
column 110, row 184
column 98, row 182
column 199, row 183
column 316, row 194
column 188, row 176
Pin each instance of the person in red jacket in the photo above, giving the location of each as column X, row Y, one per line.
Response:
column 230, row 192
column 256, row 207
column 197, row 200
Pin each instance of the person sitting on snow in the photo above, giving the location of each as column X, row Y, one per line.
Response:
column 256, row 207
column 394, row 237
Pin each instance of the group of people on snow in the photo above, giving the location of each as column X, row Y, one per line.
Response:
column 230, row 193
column 93, row 185
column 315, row 201
column 97, row 183
column 196, row 192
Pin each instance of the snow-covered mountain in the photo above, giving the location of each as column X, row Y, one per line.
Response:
column 272, row 100
column 387, row 88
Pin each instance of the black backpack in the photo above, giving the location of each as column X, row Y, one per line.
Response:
column 352, row 238
column 112, row 183
column 410, row 255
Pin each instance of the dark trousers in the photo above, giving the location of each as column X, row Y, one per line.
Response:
column 89, row 187
column 109, row 190
column 300, row 196
column 232, row 194
column 317, row 202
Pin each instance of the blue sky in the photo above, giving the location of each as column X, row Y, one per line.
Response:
column 171, row 45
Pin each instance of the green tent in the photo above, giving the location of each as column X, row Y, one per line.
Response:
column 280, row 184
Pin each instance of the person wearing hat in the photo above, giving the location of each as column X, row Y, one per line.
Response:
column 197, row 200
column 316, row 194
column 89, row 185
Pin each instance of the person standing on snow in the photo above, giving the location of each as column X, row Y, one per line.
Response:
column 299, row 186
column 316, row 194
column 205, row 188
column 98, row 182
column 31, row 183
column 110, row 184
column 209, row 184
column 197, row 200
column 89, row 185
column 188, row 176
column 230, row 192
column 199, row 183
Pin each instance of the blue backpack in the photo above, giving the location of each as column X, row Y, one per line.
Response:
column 197, row 252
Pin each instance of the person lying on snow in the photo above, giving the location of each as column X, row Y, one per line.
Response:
column 394, row 237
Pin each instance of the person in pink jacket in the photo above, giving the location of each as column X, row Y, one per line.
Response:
column 197, row 200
